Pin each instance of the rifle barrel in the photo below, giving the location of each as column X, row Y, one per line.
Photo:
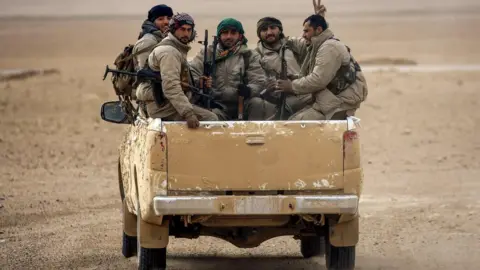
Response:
column 283, row 76
column 122, row 72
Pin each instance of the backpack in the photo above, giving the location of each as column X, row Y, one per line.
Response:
column 125, row 61
column 123, row 84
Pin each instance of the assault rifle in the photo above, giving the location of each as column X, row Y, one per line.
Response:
column 154, row 77
column 282, row 105
column 208, row 68
column 142, row 74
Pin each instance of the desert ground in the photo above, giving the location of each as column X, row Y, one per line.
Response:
column 59, row 201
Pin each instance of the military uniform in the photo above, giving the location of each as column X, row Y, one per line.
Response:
column 234, row 67
column 169, row 58
column 325, row 57
column 144, row 46
column 149, row 37
column 271, row 59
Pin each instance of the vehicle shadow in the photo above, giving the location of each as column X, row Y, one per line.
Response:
column 203, row 262
column 232, row 263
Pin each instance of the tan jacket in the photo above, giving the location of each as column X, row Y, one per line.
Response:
column 324, row 58
column 295, row 52
column 145, row 46
column 271, row 62
column 227, row 76
column 169, row 58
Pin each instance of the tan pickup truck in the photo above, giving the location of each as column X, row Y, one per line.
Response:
column 242, row 181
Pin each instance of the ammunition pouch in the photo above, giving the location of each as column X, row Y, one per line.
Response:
column 346, row 76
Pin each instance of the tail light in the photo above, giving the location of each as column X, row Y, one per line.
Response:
column 351, row 145
column 349, row 136
column 352, row 170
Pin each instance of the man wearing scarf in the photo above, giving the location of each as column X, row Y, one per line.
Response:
column 154, row 30
column 329, row 73
column 233, row 81
column 169, row 58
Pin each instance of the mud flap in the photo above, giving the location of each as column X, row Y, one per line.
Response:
column 153, row 236
column 129, row 221
column 345, row 232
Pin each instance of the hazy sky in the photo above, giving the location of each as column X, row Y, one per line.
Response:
column 139, row 7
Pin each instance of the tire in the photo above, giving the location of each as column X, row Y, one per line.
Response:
column 149, row 258
column 312, row 246
column 339, row 258
column 129, row 243
column 129, row 246
column 152, row 258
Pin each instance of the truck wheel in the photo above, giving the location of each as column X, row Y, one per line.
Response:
column 339, row 258
column 129, row 246
column 148, row 258
column 152, row 258
column 312, row 246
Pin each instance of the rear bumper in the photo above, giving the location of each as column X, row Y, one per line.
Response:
column 255, row 205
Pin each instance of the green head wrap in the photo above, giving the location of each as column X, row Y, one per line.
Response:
column 231, row 23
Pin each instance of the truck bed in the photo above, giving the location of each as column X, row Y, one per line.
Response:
column 255, row 155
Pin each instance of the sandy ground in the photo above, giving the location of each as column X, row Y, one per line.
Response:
column 59, row 201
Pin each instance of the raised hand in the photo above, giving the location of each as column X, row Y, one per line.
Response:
column 318, row 8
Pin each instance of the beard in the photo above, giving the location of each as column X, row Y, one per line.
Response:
column 228, row 43
column 271, row 39
column 163, row 28
column 184, row 40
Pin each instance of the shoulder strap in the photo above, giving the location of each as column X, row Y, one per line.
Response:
column 133, row 54
column 143, row 50
column 246, row 64
column 289, row 46
column 147, row 48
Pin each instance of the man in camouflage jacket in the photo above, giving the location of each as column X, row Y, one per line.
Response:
column 329, row 73
column 238, row 75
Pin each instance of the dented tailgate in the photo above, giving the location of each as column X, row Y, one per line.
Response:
column 306, row 155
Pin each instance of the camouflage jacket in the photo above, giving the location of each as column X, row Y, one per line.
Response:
column 227, row 75
column 169, row 58
column 324, row 58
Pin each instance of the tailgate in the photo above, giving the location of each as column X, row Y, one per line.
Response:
column 260, row 155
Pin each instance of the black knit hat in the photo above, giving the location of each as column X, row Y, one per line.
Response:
column 159, row 11
column 266, row 22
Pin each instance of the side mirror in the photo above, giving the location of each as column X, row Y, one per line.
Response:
column 114, row 112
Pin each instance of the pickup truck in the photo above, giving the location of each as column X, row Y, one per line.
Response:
column 241, row 181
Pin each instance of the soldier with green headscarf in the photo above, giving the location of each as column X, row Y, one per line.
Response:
column 238, row 77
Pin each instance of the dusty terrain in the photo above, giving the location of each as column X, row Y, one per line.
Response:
column 59, row 201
